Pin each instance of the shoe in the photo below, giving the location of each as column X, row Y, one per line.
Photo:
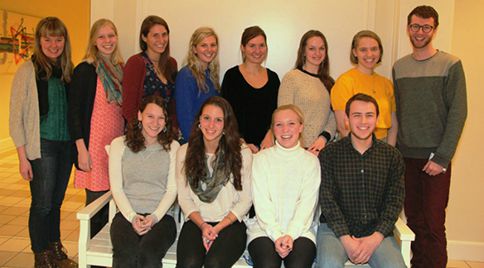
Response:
column 44, row 259
column 59, row 256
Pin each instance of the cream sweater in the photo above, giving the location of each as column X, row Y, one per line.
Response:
column 24, row 122
column 285, row 188
column 310, row 95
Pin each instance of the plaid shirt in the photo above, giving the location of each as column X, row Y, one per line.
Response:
column 361, row 193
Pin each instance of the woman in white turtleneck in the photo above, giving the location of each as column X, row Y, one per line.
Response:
column 285, row 188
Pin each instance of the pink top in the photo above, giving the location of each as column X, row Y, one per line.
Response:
column 106, row 124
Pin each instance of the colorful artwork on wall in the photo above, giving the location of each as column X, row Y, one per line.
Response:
column 16, row 39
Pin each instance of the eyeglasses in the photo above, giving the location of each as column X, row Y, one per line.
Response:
column 425, row 28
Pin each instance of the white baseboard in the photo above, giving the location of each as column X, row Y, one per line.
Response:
column 6, row 144
column 465, row 250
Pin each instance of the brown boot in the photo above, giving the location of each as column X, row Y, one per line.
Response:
column 44, row 259
column 60, row 257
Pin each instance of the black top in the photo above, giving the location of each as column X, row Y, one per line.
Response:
column 253, row 107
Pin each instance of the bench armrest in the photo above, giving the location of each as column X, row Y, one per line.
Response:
column 403, row 233
column 90, row 210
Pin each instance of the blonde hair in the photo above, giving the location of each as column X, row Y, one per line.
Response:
column 43, row 65
column 194, row 64
column 291, row 107
column 92, row 50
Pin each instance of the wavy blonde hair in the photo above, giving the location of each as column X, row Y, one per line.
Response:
column 194, row 64
column 92, row 50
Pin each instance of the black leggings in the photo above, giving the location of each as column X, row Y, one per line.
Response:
column 224, row 252
column 131, row 250
column 263, row 253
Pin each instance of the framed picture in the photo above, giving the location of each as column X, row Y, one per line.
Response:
column 16, row 39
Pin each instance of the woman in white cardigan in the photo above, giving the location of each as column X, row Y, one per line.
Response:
column 142, row 177
column 285, row 188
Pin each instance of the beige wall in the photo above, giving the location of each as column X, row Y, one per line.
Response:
column 74, row 13
column 465, row 220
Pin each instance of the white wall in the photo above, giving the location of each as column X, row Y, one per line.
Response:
column 285, row 21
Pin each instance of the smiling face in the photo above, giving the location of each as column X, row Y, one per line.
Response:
column 106, row 40
column 212, row 123
column 314, row 52
column 255, row 51
column 157, row 39
column 153, row 120
column 362, row 120
column 419, row 39
column 206, row 50
column 287, row 128
column 52, row 46
column 368, row 54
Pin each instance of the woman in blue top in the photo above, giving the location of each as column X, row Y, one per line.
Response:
column 199, row 79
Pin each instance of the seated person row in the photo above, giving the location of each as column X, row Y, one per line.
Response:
column 216, row 195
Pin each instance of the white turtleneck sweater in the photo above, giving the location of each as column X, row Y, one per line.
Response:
column 285, row 187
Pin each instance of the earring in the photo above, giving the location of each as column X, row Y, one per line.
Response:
column 199, row 126
column 164, row 129
column 139, row 124
column 223, row 132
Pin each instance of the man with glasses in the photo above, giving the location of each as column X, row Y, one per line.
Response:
column 430, row 93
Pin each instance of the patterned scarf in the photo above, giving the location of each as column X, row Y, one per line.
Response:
column 209, row 186
column 111, row 76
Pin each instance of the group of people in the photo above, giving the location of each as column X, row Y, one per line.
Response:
column 240, row 157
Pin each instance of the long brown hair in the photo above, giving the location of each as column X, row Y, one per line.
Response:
column 135, row 139
column 42, row 64
column 229, row 142
column 166, row 66
column 323, row 71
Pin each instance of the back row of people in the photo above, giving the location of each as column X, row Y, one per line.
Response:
column 41, row 127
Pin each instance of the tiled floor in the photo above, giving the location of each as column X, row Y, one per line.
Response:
column 14, row 211
column 14, row 204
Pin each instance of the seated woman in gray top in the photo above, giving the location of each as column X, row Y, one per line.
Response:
column 142, row 177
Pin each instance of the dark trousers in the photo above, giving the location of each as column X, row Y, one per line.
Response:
column 426, row 198
column 131, row 250
column 263, row 253
column 101, row 218
column 224, row 252
column 48, row 186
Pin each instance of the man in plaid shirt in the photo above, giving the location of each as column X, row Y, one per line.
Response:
column 361, row 196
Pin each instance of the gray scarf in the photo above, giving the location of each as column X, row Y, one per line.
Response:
column 208, row 185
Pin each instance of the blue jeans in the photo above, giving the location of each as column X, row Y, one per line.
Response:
column 331, row 253
column 48, row 186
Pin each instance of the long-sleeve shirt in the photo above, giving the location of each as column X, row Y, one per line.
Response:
column 308, row 93
column 431, row 106
column 253, row 107
column 227, row 200
column 361, row 193
column 285, row 189
column 189, row 98
column 142, row 182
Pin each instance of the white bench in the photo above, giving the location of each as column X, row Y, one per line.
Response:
column 98, row 250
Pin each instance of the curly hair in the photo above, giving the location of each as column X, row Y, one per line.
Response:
column 323, row 72
column 229, row 142
column 424, row 12
column 134, row 137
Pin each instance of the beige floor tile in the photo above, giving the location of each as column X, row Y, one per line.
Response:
column 3, row 239
column 5, row 256
column 69, row 225
column 23, row 234
column 22, row 220
column 10, row 200
column 474, row 264
column 15, row 211
column 456, row 264
column 21, row 260
column 73, row 236
column 10, row 230
column 5, row 219
column 71, row 248
column 14, row 245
